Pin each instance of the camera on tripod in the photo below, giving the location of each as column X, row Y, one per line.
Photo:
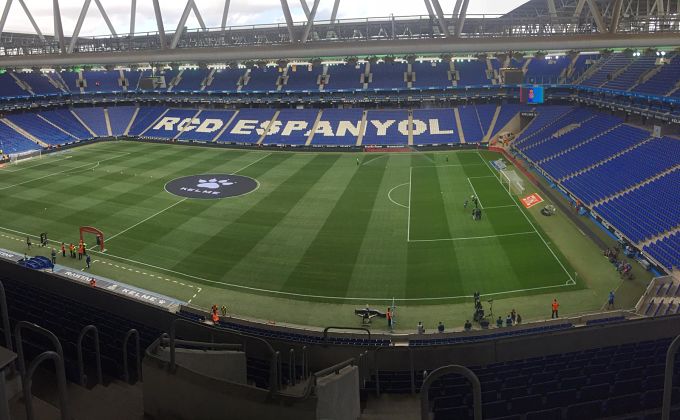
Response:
column 479, row 311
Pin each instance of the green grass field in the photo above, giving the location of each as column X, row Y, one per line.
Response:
column 319, row 229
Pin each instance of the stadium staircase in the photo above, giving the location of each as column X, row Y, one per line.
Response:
column 24, row 133
column 635, row 187
column 492, row 126
column 602, row 162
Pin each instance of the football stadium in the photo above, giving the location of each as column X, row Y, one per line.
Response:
column 448, row 209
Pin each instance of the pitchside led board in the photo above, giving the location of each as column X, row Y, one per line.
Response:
column 531, row 95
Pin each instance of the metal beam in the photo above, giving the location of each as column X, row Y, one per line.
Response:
column 310, row 21
column 579, row 8
column 198, row 15
column 133, row 12
column 440, row 17
column 552, row 9
column 334, row 13
column 225, row 13
column 660, row 7
column 430, row 12
column 597, row 15
column 456, row 8
column 180, row 25
column 35, row 25
column 106, row 17
column 79, row 24
column 5, row 12
column 58, row 28
column 289, row 20
column 305, row 8
column 616, row 17
column 159, row 23
column 343, row 49
column 461, row 19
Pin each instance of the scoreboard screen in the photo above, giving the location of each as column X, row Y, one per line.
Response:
column 531, row 95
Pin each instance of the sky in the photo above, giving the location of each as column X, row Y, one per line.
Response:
column 241, row 12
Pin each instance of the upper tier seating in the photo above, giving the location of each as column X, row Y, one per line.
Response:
column 40, row 83
column 13, row 142
column 10, row 88
column 388, row 76
column 338, row 127
column 291, row 127
column 70, row 79
column 662, row 82
column 382, row 127
column 119, row 118
column 583, row 61
column 443, row 132
column 471, row 72
column 93, row 118
column 626, row 170
column 431, row 74
column 226, row 80
column 303, row 78
column 262, row 79
column 191, row 80
column 544, row 71
column 629, row 78
column 102, row 81
column 611, row 65
column 345, row 77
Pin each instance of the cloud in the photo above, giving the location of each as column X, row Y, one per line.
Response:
column 250, row 12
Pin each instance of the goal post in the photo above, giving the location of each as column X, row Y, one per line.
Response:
column 19, row 157
column 98, row 233
column 512, row 182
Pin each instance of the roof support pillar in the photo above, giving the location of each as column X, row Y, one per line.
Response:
column 106, row 17
column 289, row 20
column 616, row 17
column 310, row 21
column 461, row 18
column 334, row 13
column 58, row 28
column 159, row 23
column 440, row 17
column 133, row 12
column 305, row 8
column 597, row 15
column 225, row 13
column 79, row 24
column 180, row 25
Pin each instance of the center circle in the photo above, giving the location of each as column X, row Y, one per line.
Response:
column 211, row 186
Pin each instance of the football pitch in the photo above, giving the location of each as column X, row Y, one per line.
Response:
column 323, row 227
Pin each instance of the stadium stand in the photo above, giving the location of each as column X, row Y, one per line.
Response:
column 663, row 81
column 471, row 72
column 485, row 113
column 470, row 123
column 171, row 124
column 40, row 83
column 633, row 72
column 191, row 80
column 338, row 127
column 261, row 79
column 208, row 132
column 443, row 133
column 248, row 126
column 225, row 80
column 102, row 81
column 506, row 114
column 666, row 251
column 303, row 78
column 382, row 128
column 10, row 88
column 119, row 118
column 41, row 129
column 94, row 119
column 607, row 69
column 146, row 116
column 345, row 77
column 431, row 74
column 291, row 127
column 546, row 71
column 70, row 79
column 13, row 142
column 65, row 120
column 388, row 75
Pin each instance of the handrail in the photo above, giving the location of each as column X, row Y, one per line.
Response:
column 668, row 379
column 291, row 367
column 5, row 318
column 165, row 340
column 273, row 367
column 81, row 368
column 445, row 370
column 305, row 362
column 126, row 373
column 26, row 375
column 325, row 331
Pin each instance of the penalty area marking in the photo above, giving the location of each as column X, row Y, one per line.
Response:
column 279, row 292
column 389, row 195
column 481, row 206
column 23, row 168
column 469, row 238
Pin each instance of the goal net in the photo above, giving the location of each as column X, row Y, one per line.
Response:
column 512, row 182
column 19, row 157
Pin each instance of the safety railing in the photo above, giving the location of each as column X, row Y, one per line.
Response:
column 138, row 355
column 292, row 374
column 7, row 330
column 447, row 370
column 27, row 374
column 668, row 379
column 98, row 360
column 305, row 362
column 325, row 331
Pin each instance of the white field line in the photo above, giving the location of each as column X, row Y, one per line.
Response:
column 144, row 220
column 23, row 168
column 251, row 164
column 408, row 223
column 278, row 292
column 373, row 160
column 571, row 280
column 499, row 207
column 481, row 206
column 61, row 172
column 389, row 195
column 447, row 166
column 469, row 238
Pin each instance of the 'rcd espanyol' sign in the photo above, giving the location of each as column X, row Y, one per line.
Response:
column 211, row 186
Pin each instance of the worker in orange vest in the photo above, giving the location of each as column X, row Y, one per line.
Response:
column 555, row 307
